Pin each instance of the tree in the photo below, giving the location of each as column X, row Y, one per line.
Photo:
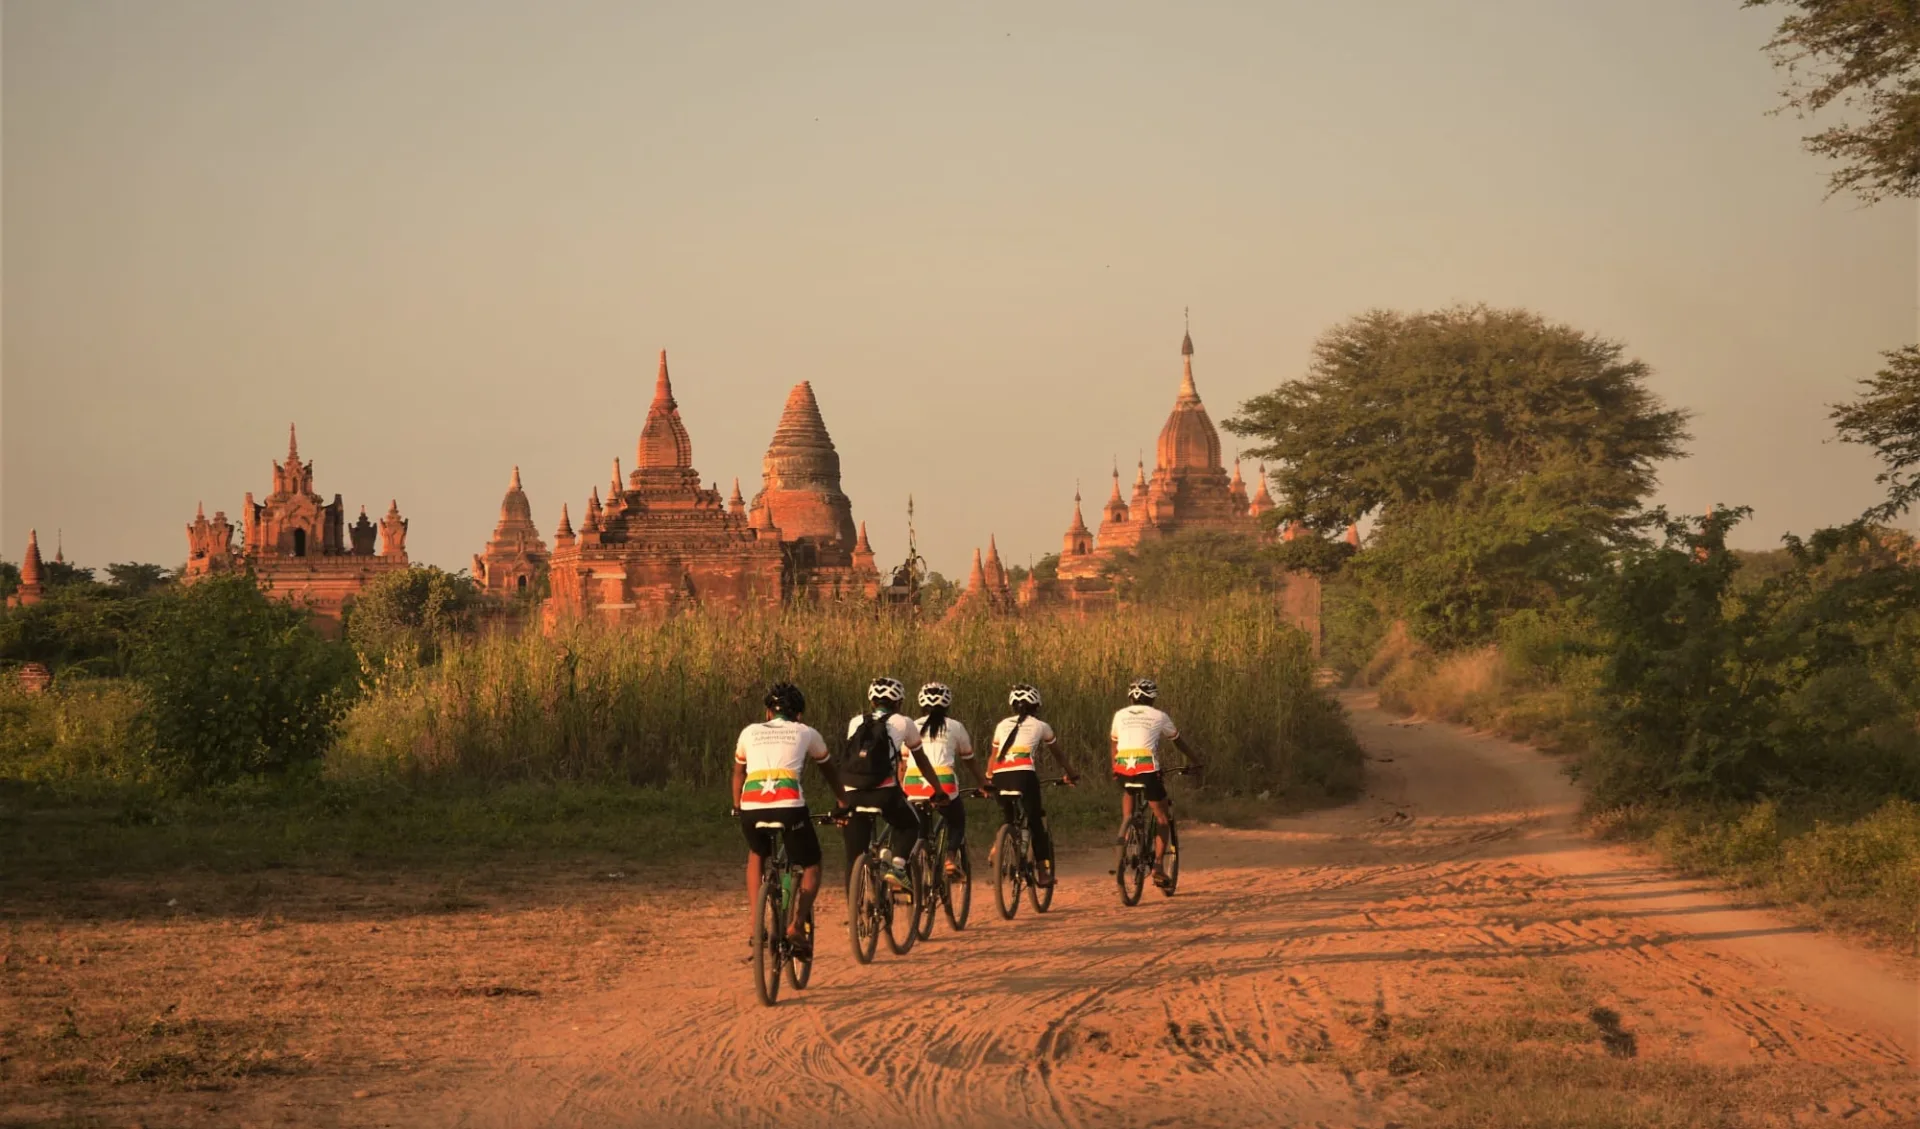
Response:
column 238, row 684
column 1195, row 566
column 1886, row 418
column 64, row 574
column 407, row 614
column 133, row 579
column 1410, row 408
column 1863, row 55
column 9, row 578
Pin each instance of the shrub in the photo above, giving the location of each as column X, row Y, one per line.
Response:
column 80, row 729
column 238, row 684
column 406, row 616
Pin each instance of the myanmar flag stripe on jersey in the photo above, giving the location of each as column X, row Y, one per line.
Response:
column 771, row 787
column 1133, row 762
column 1019, row 756
column 918, row 788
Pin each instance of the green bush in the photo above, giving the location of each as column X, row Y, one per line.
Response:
column 81, row 729
column 237, row 684
column 406, row 616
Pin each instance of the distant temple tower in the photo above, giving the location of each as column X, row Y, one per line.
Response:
column 33, row 575
column 297, row 544
column 801, row 501
column 661, row 539
column 515, row 556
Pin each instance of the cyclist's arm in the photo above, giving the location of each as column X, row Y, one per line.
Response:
column 739, row 782
column 1058, row 753
column 1180, row 744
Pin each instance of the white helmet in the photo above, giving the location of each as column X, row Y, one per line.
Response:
column 885, row 689
column 1143, row 690
column 936, row 696
column 1024, row 695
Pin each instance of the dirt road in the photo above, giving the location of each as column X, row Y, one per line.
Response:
column 1445, row 950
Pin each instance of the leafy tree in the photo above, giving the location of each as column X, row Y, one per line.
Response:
column 1886, row 417
column 1195, row 566
column 937, row 594
column 1714, row 690
column 65, row 574
column 9, row 578
column 408, row 614
column 1400, row 409
column 88, row 628
column 1863, row 55
column 238, row 684
column 138, row 579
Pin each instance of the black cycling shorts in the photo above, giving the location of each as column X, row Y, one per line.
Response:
column 1152, row 785
column 803, row 846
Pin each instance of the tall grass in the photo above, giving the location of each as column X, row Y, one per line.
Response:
column 664, row 702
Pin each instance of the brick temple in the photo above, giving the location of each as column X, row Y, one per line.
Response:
column 660, row 540
column 297, row 544
column 1190, row 490
column 515, row 556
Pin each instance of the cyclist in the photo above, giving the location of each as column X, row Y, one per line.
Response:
column 946, row 741
column 1010, row 767
column 768, row 761
column 1137, row 733
column 870, row 777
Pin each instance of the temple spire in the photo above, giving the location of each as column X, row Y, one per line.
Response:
column 515, row 484
column 293, row 446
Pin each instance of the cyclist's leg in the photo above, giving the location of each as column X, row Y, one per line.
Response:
column 858, row 831
column 803, row 850
column 1126, row 805
column 899, row 815
column 955, row 815
column 1037, row 823
column 1156, row 796
column 759, row 847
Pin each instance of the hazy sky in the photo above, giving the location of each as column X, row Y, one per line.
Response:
column 448, row 237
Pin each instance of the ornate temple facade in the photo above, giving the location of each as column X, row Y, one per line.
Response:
column 660, row 540
column 515, row 556
column 297, row 544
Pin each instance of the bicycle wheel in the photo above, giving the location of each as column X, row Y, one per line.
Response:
column 959, row 891
column 902, row 911
column 863, row 912
column 1129, row 868
column 926, row 874
column 768, row 937
column 1006, row 872
column 1040, row 896
column 1171, row 864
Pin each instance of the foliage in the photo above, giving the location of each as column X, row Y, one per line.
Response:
column 78, row 729
column 238, row 684
column 1455, row 569
column 1401, row 409
column 407, row 616
column 1195, row 566
column 78, row 628
column 1886, row 418
column 135, row 579
column 1863, row 55
column 666, row 702
column 65, row 574
column 937, row 594
column 1808, row 681
column 1351, row 626
column 9, row 578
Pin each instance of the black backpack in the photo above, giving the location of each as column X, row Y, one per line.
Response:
column 868, row 758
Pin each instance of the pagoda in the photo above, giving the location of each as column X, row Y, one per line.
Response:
column 801, row 502
column 661, row 540
column 515, row 556
column 33, row 575
column 297, row 544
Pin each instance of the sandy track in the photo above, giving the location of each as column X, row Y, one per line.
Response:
column 1233, row 1004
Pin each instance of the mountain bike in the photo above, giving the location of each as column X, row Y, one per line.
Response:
column 778, row 901
column 873, row 907
column 1134, row 859
column 943, row 890
column 1014, row 866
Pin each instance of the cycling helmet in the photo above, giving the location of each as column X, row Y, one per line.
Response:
column 1024, row 695
column 885, row 689
column 1143, row 690
column 785, row 699
column 936, row 696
